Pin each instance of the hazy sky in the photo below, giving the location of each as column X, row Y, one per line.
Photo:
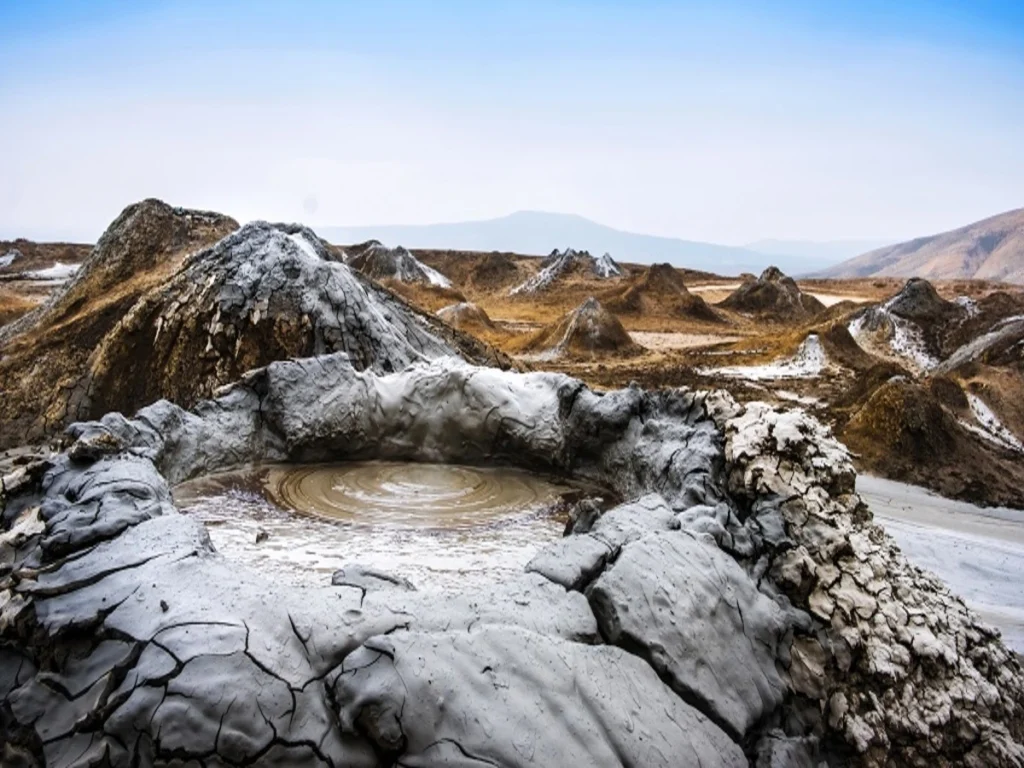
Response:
column 728, row 123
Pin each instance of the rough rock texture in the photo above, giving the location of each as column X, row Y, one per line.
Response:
column 775, row 296
column 910, row 675
column 589, row 330
column 378, row 261
column 560, row 264
column 263, row 293
column 952, row 417
column 44, row 353
column 660, row 292
column 743, row 585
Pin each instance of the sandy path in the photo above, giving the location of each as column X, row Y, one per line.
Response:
column 828, row 299
column 659, row 340
column 978, row 551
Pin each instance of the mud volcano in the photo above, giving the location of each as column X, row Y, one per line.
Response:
column 435, row 526
column 738, row 609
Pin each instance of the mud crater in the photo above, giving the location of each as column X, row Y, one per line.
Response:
column 441, row 526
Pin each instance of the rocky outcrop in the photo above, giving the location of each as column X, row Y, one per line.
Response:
column 376, row 260
column 773, row 296
column 589, row 330
column 263, row 293
column 739, row 606
column 560, row 264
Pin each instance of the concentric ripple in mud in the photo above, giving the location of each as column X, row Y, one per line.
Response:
column 437, row 525
column 399, row 494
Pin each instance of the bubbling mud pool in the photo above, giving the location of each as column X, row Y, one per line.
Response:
column 438, row 525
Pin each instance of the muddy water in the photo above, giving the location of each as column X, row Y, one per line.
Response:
column 440, row 526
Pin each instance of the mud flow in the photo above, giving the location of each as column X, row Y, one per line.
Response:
column 438, row 525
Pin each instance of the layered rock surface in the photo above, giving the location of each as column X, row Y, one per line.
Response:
column 739, row 607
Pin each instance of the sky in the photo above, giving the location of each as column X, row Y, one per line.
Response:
column 725, row 122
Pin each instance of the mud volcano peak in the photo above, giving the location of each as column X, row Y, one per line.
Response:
column 773, row 295
column 559, row 265
column 262, row 293
column 739, row 607
column 919, row 301
column 660, row 292
column 465, row 316
column 588, row 330
column 376, row 260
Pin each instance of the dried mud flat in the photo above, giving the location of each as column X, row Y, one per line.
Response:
column 978, row 551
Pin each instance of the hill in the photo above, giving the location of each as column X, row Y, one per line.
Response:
column 537, row 232
column 991, row 249
column 773, row 296
column 588, row 331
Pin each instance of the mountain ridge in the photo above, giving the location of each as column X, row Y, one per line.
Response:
column 989, row 249
column 538, row 232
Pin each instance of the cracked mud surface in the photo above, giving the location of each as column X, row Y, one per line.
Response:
column 739, row 606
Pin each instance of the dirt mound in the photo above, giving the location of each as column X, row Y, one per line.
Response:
column 934, row 334
column 910, row 432
column 589, row 331
column 466, row 316
column 43, row 354
column 559, row 265
column 379, row 262
column 264, row 293
column 493, row 270
column 773, row 296
column 660, row 291
column 919, row 301
column 842, row 348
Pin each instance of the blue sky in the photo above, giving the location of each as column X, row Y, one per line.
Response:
column 722, row 122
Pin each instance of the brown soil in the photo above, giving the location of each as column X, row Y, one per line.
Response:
column 429, row 298
column 904, row 432
column 13, row 305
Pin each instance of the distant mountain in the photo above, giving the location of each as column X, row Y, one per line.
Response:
column 536, row 232
column 824, row 252
column 991, row 249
